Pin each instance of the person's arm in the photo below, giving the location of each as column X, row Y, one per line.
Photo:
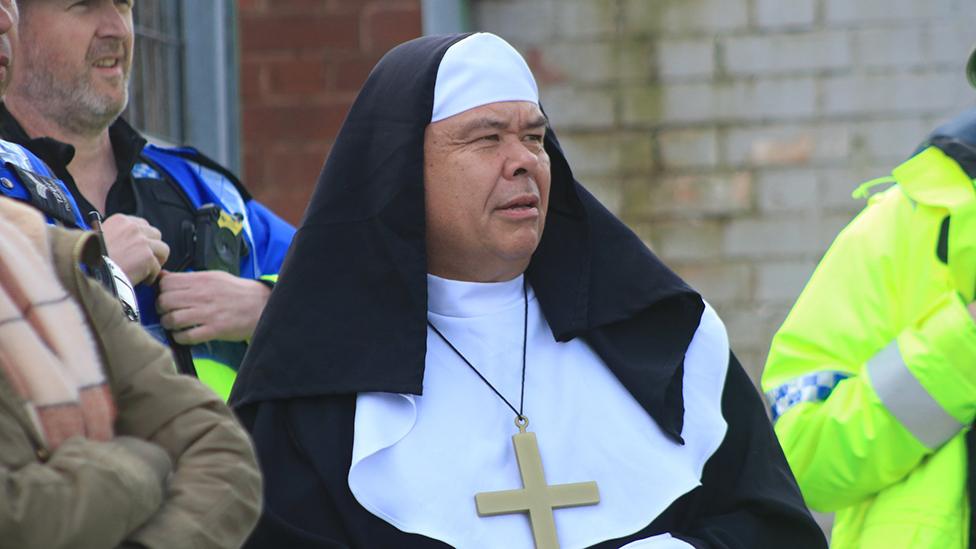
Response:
column 203, row 306
column 88, row 494
column 272, row 238
column 750, row 497
column 214, row 493
column 865, row 392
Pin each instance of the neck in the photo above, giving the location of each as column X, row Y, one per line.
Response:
column 93, row 167
column 482, row 273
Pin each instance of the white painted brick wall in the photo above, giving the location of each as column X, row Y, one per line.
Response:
column 772, row 14
column 642, row 17
column 572, row 107
column 787, row 191
column 730, row 133
column 686, row 57
column 688, row 148
column 782, row 280
column 874, row 11
column 787, row 53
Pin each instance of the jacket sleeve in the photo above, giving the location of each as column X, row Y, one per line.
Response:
column 214, row 492
column 864, row 386
column 88, row 494
column 750, row 498
column 272, row 237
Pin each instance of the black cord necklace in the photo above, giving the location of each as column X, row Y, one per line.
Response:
column 520, row 418
column 536, row 497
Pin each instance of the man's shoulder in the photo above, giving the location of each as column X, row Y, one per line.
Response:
column 26, row 178
column 21, row 157
column 188, row 165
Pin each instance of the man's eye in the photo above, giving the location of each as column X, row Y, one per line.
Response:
column 492, row 137
column 538, row 138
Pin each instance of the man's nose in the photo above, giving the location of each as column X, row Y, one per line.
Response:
column 112, row 22
column 520, row 160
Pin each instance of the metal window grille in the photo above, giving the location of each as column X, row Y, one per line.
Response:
column 156, row 102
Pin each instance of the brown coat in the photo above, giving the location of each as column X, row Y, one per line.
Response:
column 99, row 494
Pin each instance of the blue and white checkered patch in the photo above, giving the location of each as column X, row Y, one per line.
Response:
column 815, row 387
column 14, row 153
column 144, row 171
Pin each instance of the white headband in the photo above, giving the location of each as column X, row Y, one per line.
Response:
column 479, row 70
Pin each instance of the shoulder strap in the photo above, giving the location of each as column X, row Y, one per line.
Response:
column 194, row 156
column 25, row 177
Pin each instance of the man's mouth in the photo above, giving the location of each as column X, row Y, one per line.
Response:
column 521, row 202
column 106, row 63
column 519, row 207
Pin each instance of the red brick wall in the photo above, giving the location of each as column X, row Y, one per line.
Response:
column 302, row 63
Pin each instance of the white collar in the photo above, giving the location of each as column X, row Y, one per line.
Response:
column 456, row 298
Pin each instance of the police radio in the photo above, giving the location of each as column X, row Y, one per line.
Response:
column 219, row 240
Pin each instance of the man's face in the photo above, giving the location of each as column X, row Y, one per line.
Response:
column 8, row 35
column 74, row 59
column 486, row 178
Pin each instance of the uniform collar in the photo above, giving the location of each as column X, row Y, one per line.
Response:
column 127, row 144
column 54, row 153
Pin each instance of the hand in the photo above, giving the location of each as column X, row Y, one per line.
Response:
column 136, row 246
column 207, row 305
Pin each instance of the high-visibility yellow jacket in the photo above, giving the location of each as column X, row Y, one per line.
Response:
column 872, row 377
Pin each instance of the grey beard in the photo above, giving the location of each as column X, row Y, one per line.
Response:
column 76, row 108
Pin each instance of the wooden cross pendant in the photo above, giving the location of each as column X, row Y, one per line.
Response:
column 537, row 498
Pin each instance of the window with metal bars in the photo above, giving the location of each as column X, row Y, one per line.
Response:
column 184, row 84
column 156, row 87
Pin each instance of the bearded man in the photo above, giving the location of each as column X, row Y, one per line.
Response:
column 167, row 211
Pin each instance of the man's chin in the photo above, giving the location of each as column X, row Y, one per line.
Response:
column 107, row 106
column 520, row 249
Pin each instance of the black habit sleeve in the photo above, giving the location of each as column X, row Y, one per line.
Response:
column 304, row 448
column 748, row 497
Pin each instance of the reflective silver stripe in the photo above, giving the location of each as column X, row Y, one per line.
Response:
column 908, row 400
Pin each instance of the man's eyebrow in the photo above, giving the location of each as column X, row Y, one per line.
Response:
column 482, row 124
column 497, row 124
column 539, row 122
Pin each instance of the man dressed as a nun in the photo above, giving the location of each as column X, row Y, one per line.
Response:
column 465, row 349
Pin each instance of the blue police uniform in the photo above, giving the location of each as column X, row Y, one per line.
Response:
column 169, row 187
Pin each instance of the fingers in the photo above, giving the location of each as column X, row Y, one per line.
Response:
column 179, row 319
column 136, row 246
column 188, row 326
column 152, row 267
column 170, row 300
column 192, row 336
column 152, row 233
column 174, row 282
column 160, row 251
